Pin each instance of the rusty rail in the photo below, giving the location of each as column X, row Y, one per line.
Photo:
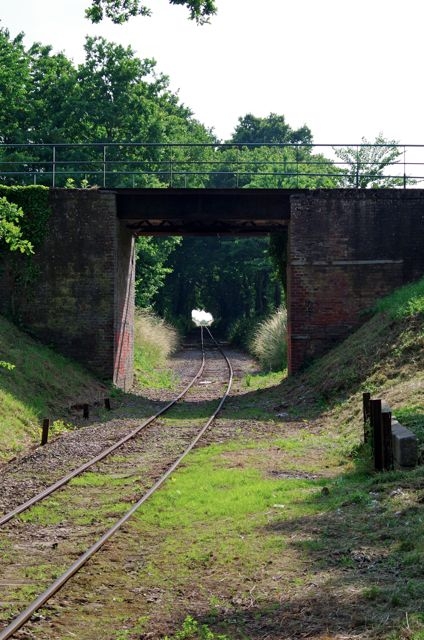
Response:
column 41, row 600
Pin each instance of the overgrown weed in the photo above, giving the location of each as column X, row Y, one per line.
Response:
column 269, row 343
column 154, row 341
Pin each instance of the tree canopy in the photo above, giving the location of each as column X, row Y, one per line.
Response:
column 120, row 11
column 269, row 130
column 365, row 165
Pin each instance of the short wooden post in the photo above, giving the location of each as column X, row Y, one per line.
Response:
column 45, row 431
column 85, row 411
column 377, row 433
column 366, row 398
column 107, row 404
column 386, row 418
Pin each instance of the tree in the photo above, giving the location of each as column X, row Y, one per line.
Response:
column 14, row 80
column 151, row 267
column 270, row 130
column 120, row 11
column 233, row 278
column 364, row 166
column 52, row 95
column 113, row 96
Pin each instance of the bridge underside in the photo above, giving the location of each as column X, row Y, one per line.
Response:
column 239, row 212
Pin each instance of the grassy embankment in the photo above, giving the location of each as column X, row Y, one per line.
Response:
column 154, row 342
column 40, row 383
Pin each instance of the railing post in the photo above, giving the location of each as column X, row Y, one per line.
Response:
column 104, row 165
column 377, row 433
column 404, row 167
column 357, row 166
column 54, row 167
column 386, row 424
column 45, row 431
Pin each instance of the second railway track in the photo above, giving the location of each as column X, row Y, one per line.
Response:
column 48, row 544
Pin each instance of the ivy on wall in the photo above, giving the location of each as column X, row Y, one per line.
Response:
column 34, row 201
column 19, row 270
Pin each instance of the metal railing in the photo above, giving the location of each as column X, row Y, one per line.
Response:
column 113, row 165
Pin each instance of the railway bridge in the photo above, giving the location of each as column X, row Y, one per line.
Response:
column 345, row 249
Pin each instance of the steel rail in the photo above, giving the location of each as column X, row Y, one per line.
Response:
column 72, row 474
column 25, row 615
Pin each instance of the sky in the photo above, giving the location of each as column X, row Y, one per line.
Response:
column 345, row 69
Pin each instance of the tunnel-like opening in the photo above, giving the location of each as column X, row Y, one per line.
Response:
column 216, row 244
column 235, row 278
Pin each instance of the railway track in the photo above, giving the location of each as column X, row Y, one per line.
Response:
column 129, row 472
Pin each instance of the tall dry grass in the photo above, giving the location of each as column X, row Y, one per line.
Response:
column 269, row 343
column 154, row 341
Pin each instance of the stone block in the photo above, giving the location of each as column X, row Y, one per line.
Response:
column 405, row 446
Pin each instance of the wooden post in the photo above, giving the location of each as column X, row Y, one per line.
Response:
column 107, row 404
column 45, row 432
column 386, row 418
column 85, row 411
column 366, row 398
column 377, row 433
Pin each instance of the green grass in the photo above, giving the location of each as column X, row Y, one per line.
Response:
column 191, row 629
column 71, row 508
column 404, row 302
column 40, row 384
column 412, row 417
column 209, row 495
column 218, row 518
column 36, row 382
column 264, row 380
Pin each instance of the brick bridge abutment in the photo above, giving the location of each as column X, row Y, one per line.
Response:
column 82, row 300
column 346, row 248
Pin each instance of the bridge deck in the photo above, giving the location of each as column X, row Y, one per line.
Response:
column 204, row 211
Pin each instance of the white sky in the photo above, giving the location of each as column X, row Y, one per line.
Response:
column 345, row 69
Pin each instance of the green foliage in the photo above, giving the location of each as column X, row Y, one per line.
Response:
column 270, row 130
column 275, row 167
column 404, row 302
column 10, row 231
column 364, row 166
column 278, row 254
column 231, row 278
column 269, row 343
column 151, row 267
column 120, row 11
column 33, row 203
column 7, row 365
column 113, row 96
column 191, row 629
column 14, row 79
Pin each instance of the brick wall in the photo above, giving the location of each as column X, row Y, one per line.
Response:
column 346, row 249
column 81, row 301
